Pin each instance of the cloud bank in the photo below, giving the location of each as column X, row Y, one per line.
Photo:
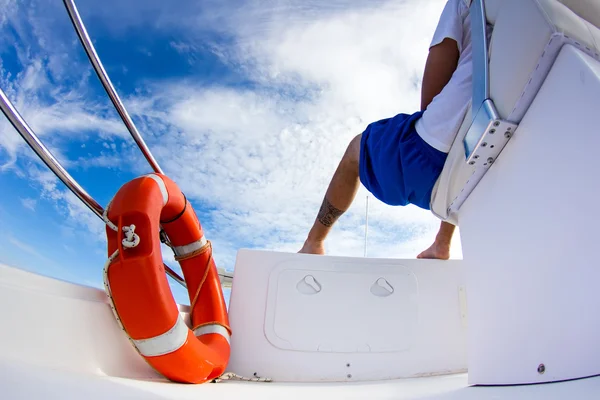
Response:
column 254, row 155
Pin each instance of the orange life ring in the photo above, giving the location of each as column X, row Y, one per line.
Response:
column 136, row 283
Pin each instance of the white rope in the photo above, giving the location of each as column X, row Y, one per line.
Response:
column 108, row 291
column 130, row 241
column 107, row 221
column 230, row 376
column 131, row 238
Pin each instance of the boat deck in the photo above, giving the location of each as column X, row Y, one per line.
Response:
column 22, row 381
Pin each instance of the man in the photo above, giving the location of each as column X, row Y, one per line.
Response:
column 399, row 159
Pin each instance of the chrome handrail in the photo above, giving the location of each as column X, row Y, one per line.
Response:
column 108, row 86
column 488, row 133
column 116, row 100
column 482, row 108
column 480, row 45
column 46, row 156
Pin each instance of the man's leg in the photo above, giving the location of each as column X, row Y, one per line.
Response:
column 440, row 249
column 338, row 198
column 441, row 64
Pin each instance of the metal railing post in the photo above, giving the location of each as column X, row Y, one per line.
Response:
column 108, row 86
column 46, row 156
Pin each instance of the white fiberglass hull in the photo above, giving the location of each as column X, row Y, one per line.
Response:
column 60, row 341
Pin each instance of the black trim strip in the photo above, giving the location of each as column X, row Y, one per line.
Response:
column 178, row 215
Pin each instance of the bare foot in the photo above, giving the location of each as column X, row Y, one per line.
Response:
column 436, row 251
column 313, row 248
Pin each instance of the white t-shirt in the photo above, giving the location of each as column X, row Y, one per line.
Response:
column 443, row 117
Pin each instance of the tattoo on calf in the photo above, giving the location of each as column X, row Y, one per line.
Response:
column 328, row 214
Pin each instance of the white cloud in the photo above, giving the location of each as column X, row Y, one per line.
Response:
column 29, row 204
column 7, row 8
column 255, row 160
column 50, row 86
column 78, row 220
column 111, row 161
column 66, row 114
column 181, row 47
column 366, row 61
column 261, row 159
column 27, row 248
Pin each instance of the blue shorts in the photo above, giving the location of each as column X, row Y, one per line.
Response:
column 396, row 165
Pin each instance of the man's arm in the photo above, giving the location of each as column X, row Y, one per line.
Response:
column 441, row 64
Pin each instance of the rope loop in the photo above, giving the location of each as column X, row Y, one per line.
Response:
column 230, row 376
column 132, row 239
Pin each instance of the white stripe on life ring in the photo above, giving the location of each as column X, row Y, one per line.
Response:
column 161, row 186
column 190, row 248
column 213, row 328
column 166, row 343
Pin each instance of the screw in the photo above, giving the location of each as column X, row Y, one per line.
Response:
column 472, row 163
column 476, row 156
column 541, row 369
column 348, row 365
column 492, row 131
column 484, row 144
column 490, row 160
column 349, row 376
column 507, row 135
column 497, row 123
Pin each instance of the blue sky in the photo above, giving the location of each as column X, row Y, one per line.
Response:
column 247, row 105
